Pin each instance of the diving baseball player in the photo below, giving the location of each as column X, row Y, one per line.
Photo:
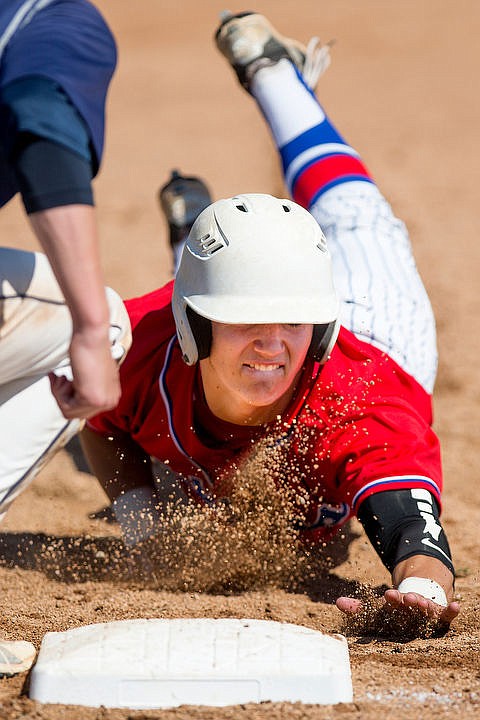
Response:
column 321, row 345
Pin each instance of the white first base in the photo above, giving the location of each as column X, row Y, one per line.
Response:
column 142, row 664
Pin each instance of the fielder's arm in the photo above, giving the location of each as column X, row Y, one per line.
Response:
column 68, row 236
column 55, row 184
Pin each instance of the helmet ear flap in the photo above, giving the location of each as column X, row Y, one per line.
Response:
column 202, row 332
column 323, row 340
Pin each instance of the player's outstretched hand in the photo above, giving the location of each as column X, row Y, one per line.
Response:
column 95, row 386
column 399, row 607
column 445, row 615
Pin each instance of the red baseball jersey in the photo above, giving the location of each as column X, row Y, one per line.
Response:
column 356, row 426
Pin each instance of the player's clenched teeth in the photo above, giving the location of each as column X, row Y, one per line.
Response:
column 262, row 367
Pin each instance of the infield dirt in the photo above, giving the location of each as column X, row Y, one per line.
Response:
column 403, row 90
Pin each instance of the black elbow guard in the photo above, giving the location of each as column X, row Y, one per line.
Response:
column 402, row 523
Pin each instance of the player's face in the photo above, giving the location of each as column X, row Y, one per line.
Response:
column 252, row 370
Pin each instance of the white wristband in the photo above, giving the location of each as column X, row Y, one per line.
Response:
column 137, row 514
column 426, row 588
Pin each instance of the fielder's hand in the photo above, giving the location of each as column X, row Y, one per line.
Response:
column 95, row 386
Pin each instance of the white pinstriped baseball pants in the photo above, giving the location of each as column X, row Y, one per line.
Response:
column 383, row 300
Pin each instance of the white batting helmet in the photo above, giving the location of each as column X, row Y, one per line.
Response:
column 254, row 259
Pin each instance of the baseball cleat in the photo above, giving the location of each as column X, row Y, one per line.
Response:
column 16, row 656
column 182, row 199
column 250, row 42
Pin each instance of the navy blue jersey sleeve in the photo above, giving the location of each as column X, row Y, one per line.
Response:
column 38, row 106
column 68, row 43
column 35, row 110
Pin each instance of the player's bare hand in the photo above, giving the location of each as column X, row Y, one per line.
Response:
column 395, row 599
column 411, row 600
column 397, row 613
column 95, row 386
